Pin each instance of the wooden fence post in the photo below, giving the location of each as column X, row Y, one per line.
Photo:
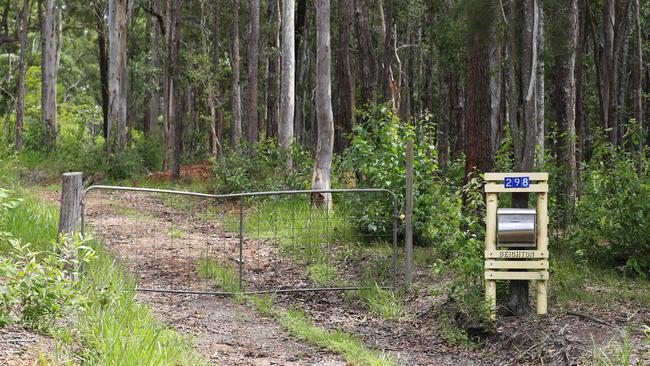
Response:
column 408, row 242
column 70, row 214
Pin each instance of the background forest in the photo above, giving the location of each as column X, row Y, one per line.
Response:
column 120, row 89
column 299, row 94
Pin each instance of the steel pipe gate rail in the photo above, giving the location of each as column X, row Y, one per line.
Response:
column 252, row 242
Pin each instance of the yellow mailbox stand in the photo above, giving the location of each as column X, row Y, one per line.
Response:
column 529, row 265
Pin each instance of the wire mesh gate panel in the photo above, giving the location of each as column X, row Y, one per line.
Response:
column 289, row 241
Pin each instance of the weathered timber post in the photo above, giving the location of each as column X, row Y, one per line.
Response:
column 408, row 242
column 70, row 213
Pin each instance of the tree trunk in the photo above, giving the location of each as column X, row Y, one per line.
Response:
column 388, row 88
column 443, row 128
column 525, row 126
column 609, row 68
column 478, row 152
column 22, row 26
column 154, row 96
column 457, row 118
column 146, row 115
column 512, row 89
column 580, row 117
column 495, row 91
column 236, row 90
column 325, row 145
column 529, row 77
column 607, row 65
column 273, row 105
column 103, row 70
column 287, row 98
column 302, row 66
column 638, row 82
column 539, row 92
column 253, row 71
column 123, row 129
column 117, row 23
column 214, row 123
column 346, row 82
column 174, row 55
column 406, row 80
column 367, row 66
column 615, row 15
column 168, row 94
column 191, row 125
column 565, row 99
column 623, row 79
column 50, row 50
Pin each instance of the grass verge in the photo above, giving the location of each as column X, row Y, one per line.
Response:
column 111, row 327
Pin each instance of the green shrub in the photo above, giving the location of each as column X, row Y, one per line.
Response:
column 611, row 215
column 34, row 137
column 124, row 164
column 377, row 155
column 261, row 169
column 150, row 151
column 39, row 286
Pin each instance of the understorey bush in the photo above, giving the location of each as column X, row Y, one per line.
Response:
column 40, row 286
column 377, row 156
column 37, row 286
column 463, row 257
column 611, row 215
column 261, row 168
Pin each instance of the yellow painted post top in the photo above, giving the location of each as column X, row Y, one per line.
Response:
column 498, row 177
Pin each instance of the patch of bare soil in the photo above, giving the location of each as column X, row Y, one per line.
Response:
column 232, row 334
column 567, row 337
column 200, row 172
column 21, row 347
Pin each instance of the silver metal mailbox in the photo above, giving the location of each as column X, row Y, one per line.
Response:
column 516, row 227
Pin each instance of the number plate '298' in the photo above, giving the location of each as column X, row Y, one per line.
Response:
column 516, row 182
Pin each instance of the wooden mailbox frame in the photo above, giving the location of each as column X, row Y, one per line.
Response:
column 531, row 265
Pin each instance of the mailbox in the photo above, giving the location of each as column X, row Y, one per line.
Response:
column 516, row 227
column 516, row 239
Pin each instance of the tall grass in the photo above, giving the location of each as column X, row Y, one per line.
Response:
column 618, row 352
column 117, row 330
column 224, row 278
column 350, row 347
column 32, row 222
column 300, row 229
column 591, row 284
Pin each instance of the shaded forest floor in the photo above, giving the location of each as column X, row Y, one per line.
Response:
column 232, row 333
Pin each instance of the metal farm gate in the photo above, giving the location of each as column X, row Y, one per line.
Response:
column 260, row 242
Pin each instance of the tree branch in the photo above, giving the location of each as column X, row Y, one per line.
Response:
column 158, row 17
